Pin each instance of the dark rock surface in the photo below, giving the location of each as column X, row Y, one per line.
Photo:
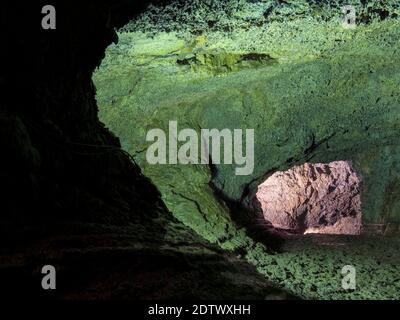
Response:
column 70, row 196
column 58, row 157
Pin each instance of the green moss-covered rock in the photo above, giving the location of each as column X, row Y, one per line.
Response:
column 311, row 90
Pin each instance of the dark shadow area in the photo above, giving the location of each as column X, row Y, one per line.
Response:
column 252, row 220
column 71, row 197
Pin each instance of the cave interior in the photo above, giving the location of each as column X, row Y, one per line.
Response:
column 78, row 192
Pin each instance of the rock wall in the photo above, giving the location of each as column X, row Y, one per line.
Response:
column 313, row 198
column 327, row 98
column 323, row 94
column 59, row 161
column 70, row 197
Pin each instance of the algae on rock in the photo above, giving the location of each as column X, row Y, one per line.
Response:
column 311, row 90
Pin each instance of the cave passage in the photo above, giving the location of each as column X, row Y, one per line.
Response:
column 313, row 198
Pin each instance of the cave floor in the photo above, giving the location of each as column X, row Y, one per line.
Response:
column 132, row 262
column 315, row 262
column 113, row 264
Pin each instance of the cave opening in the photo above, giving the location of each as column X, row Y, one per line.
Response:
column 312, row 198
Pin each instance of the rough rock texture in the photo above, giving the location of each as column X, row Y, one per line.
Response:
column 58, row 156
column 229, row 16
column 69, row 195
column 330, row 93
column 313, row 198
column 159, row 260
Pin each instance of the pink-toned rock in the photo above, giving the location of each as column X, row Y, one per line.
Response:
column 313, row 198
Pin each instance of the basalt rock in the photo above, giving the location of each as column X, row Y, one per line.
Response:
column 71, row 197
column 313, row 198
column 330, row 94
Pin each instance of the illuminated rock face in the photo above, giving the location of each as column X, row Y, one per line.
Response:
column 313, row 198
